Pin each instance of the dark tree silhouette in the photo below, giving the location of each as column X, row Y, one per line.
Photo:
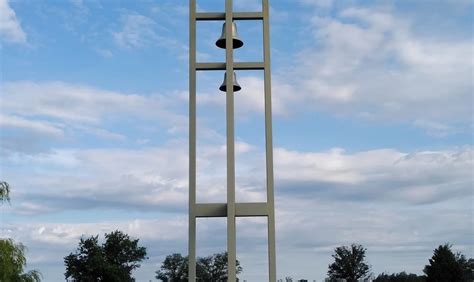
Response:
column 400, row 277
column 444, row 265
column 210, row 268
column 349, row 263
column 113, row 261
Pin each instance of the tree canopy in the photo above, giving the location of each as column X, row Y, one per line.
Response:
column 4, row 192
column 210, row 268
column 444, row 265
column 399, row 277
column 349, row 263
column 112, row 261
column 13, row 261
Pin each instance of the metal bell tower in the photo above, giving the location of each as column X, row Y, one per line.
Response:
column 230, row 210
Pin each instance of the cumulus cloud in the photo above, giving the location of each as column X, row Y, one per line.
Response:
column 369, row 62
column 409, row 202
column 10, row 27
column 87, row 178
column 58, row 109
column 389, row 175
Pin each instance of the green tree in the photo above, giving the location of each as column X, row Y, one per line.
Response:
column 349, row 263
column 214, row 268
column 210, row 268
column 12, row 262
column 400, row 277
column 4, row 192
column 112, row 261
column 444, row 265
column 173, row 269
column 12, row 255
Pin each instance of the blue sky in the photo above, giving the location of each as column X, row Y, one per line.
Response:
column 373, row 122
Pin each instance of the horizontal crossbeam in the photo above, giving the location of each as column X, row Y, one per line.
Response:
column 241, row 210
column 237, row 66
column 235, row 16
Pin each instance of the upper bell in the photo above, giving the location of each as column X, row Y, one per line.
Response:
column 236, row 87
column 236, row 42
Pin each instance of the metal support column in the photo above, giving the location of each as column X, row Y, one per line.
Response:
column 192, row 142
column 269, row 142
column 231, row 228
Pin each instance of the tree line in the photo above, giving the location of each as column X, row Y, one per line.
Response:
column 116, row 259
column 445, row 265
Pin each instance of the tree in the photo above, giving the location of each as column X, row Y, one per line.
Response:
column 349, row 263
column 4, row 192
column 173, row 269
column 210, row 268
column 12, row 255
column 214, row 268
column 12, row 262
column 444, row 265
column 112, row 261
column 400, row 277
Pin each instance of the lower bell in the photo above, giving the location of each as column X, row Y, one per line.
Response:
column 236, row 87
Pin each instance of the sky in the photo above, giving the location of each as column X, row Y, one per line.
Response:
column 372, row 128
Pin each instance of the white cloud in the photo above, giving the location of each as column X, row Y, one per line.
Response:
column 41, row 127
column 420, row 177
column 137, row 31
column 373, row 63
column 158, row 176
column 319, row 3
column 385, row 199
column 435, row 129
column 75, row 108
column 309, row 225
column 10, row 28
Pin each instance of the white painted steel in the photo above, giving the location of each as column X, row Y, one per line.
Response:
column 231, row 209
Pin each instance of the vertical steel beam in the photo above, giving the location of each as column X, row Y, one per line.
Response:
column 269, row 143
column 231, row 224
column 192, row 142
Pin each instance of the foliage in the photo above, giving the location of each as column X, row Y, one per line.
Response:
column 444, row 265
column 214, row 268
column 349, row 263
column 4, row 192
column 210, row 268
column 112, row 261
column 400, row 277
column 173, row 269
column 12, row 262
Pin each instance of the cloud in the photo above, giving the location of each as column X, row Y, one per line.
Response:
column 320, row 3
column 388, row 175
column 158, row 177
column 41, row 127
column 10, row 28
column 58, row 108
column 385, row 199
column 371, row 63
column 137, row 31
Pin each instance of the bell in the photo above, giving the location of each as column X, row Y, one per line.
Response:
column 223, row 87
column 236, row 42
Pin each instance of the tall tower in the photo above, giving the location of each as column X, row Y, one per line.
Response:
column 230, row 210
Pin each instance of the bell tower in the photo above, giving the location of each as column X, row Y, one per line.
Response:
column 230, row 210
